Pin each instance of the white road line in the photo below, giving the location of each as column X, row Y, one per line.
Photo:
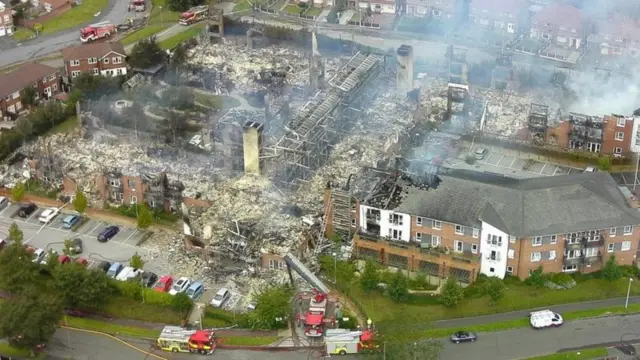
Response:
column 99, row 223
column 543, row 166
column 32, row 215
column 514, row 160
column 556, row 170
column 5, row 208
column 127, row 239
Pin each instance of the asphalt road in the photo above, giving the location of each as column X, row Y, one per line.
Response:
column 116, row 12
column 526, row 342
column 82, row 345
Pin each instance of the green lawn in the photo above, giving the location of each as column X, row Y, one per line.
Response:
column 143, row 33
column 109, row 328
column 175, row 40
column 313, row 11
column 242, row 6
column 216, row 101
column 78, row 15
column 293, row 9
column 126, row 308
column 8, row 350
column 355, row 17
column 249, row 340
column 162, row 16
column 64, row 127
column 584, row 354
column 217, row 318
column 22, row 34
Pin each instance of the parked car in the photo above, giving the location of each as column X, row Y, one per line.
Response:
column 180, row 286
column 26, row 210
column 590, row 169
column 70, row 221
column 114, row 270
column 30, row 249
column 128, row 273
column 48, row 215
column 104, row 266
column 480, row 153
column 195, row 290
column 76, row 246
column 164, row 284
column 463, row 336
column 64, row 259
column 252, row 306
column 38, row 255
column 82, row 261
column 50, row 254
column 148, row 278
column 4, row 202
column 544, row 318
column 108, row 233
column 220, row 298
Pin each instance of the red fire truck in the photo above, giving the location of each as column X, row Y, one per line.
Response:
column 342, row 341
column 137, row 5
column 97, row 31
column 194, row 15
column 315, row 318
column 177, row 339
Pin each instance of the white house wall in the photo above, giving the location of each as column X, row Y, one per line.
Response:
column 386, row 225
column 499, row 266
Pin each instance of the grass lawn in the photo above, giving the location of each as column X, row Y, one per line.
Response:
column 584, row 354
column 249, row 340
column 242, row 6
column 293, row 9
column 78, row 15
column 175, row 40
column 313, row 11
column 8, row 350
column 22, row 34
column 109, row 328
column 125, row 308
column 143, row 33
column 218, row 318
column 215, row 101
column 355, row 17
column 161, row 16
column 64, row 127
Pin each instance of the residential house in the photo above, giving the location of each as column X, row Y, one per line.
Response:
column 618, row 35
column 462, row 223
column 501, row 16
column 107, row 59
column 45, row 79
column 433, row 9
column 562, row 25
column 6, row 19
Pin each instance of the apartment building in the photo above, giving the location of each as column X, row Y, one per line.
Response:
column 618, row 35
column 45, row 79
column 6, row 19
column 107, row 59
column 502, row 16
column 559, row 24
column 463, row 223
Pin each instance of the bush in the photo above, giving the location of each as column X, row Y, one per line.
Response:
column 129, row 289
column 182, row 303
column 611, row 271
column 452, row 293
column 537, row 278
column 561, row 278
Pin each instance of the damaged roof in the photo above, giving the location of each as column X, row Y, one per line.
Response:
column 24, row 76
column 527, row 207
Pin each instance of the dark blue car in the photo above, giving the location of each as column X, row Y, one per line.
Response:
column 108, row 233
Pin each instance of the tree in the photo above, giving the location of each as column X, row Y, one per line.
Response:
column 179, row 98
column 96, row 86
column 272, row 308
column 146, row 53
column 175, row 125
column 452, row 293
column 611, row 270
column 178, row 57
column 29, row 321
column 398, row 290
column 370, row 278
column 136, row 261
column 145, row 218
column 604, row 163
column 15, row 234
column 494, row 287
column 80, row 288
column 181, row 303
column 17, row 271
column 28, row 96
column 183, row 5
column 80, row 202
column 398, row 349
column 536, row 278
column 17, row 192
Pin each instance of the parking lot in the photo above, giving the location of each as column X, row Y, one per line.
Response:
column 626, row 178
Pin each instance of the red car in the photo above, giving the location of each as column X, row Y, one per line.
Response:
column 82, row 261
column 64, row 259
column 164, row 284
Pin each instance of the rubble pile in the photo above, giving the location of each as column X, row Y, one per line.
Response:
column 168, row 248
column 433, row 99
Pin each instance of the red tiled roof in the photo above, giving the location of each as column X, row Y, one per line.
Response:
column 501, row 6
column 560, row 15
column 22, row 77
column 620, row 26
column 97, row 50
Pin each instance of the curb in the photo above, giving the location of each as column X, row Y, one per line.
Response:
column 267, row 348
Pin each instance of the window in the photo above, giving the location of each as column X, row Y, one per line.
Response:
column 492, row 269
column 15, row 95
column 93, row 60
column 75, row 73
column 546, row 36
column 116, row 60
column 459, row 230
column 511, row 254
column 569, row 268
column 554, row 239
column 395, row 234
column 476, row 233
column 618, row 150
column 437, row 224
column 435, row 241
column 133, row 200
column 54, row 87
column 619, row 136
column 474, row 248
column 457, row 244
column 132, row 185
column 119, row 72
column 494, row 240
column 106, row 61
column 483, row 21
column 395, row 219
column 552, row 255
column 114, row 182
column 7, row 19
column 626, row 246
column 353, row 222
column 74, row 62
column 590, row 252
column 537, row 241
column 436, row 13
column 610, row 247
column 573, row 254
column 418, row 221
column 276, row 264
column 153, row 203
column 622, row 122
column 561, row 39
column 494, row 256
column 627, row 230
column 535, row 256
column 419, row 236
column 612, row 232
column 95, row 71
column 512, row 239
column 18, row 105
column 509, row 269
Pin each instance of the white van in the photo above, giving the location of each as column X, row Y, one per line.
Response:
column 544, row 318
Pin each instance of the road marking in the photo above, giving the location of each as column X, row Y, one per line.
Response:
column 116, row 339
column 127, row 239
column 556, row 170
column 5, row 208
column 92, row 230
column 514, row 160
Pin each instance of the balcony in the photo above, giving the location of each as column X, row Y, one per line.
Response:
column 373, row 220
column 593, row 243
column 575, row 245
column 590, row 260
column 572, row 261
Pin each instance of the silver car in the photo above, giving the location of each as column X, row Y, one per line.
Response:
column 480, row 153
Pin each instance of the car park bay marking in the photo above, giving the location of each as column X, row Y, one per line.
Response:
column 6, row 208
column 92, row 230
column 127, row 239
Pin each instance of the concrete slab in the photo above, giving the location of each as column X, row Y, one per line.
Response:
column 518, row 164
column 506, row 161
column 493, row 159
column 562, row 170
column 549, row 169
column 535, row 167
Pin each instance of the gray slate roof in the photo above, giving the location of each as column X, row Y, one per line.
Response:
column 538, row 206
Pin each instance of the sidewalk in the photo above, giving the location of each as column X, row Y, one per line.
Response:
column 515, row 315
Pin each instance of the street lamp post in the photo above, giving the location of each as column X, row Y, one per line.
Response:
column 335, row 269
column 626, row 303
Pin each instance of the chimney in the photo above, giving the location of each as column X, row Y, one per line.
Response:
column 252, row 144
column 404, row 69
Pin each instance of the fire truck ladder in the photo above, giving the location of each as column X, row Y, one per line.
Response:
column 176, row 331
column 323, row 228
column 100, row 24
column 305, row 273
column 341, row 214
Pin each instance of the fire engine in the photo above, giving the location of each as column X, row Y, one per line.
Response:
column 137, row 5
column 177, row 339
column 97, row 31
column 343, row 341
column 194, row 15
column 315, row 318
